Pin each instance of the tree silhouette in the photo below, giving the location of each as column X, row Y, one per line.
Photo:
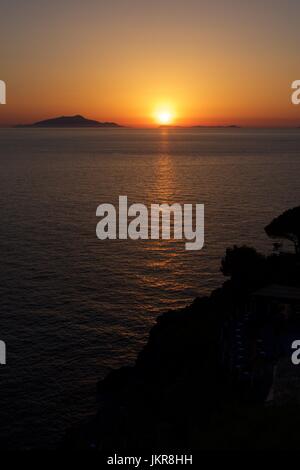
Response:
column 287, row 226
column 243, row 264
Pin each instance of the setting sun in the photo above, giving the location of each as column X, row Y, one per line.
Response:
column 164, row 117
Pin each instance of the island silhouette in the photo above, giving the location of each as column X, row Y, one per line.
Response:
column 199, row 126
column 70, row 121
column 80, row 121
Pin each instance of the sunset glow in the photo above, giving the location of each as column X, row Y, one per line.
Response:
column 175, row 57
column 164, row 117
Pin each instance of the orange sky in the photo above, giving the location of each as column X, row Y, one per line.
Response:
column 217, row 62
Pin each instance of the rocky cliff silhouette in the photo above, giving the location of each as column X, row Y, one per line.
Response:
column 203, row 378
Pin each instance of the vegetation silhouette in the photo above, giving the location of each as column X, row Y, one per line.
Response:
column 202, row 379
column 286, row 226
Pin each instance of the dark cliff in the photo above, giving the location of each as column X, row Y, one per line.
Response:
column 202, row 379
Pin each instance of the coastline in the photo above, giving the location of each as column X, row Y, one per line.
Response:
column 204, row 377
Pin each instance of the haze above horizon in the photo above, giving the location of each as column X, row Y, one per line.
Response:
column 144, row 64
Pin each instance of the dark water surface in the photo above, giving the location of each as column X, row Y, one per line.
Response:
column 72, row 306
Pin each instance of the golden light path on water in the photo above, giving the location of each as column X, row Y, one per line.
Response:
column 164, row 254
column 103, row 297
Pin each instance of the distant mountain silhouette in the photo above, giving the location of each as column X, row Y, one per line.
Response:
column 232, row 126
column 167, row 126
column 70, row 121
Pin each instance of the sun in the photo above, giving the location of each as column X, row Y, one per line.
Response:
column 164, row 117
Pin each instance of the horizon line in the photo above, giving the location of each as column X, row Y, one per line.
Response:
column 158, row 127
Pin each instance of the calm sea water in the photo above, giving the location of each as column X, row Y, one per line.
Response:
column 72, row 306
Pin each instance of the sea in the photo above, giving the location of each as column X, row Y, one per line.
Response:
column 72, row 307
